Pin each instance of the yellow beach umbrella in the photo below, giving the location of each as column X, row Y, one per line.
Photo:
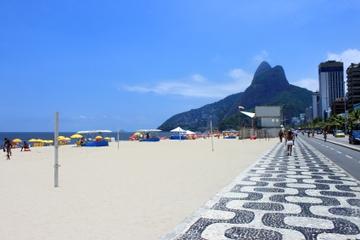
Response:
column 107, row 139
column 17, row 140
column 32, row 140
column 76, row 136
column 98, row 137
column 67, row 139
column 61, row 138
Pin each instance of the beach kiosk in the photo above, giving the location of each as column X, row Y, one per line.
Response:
column 230, row 134
column 178, row 134
column 94, row 138
column 190, row 135
column 149, row 135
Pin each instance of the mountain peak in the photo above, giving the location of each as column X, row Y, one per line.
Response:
column 269, row 87
column 263, row 67
column 269, row 76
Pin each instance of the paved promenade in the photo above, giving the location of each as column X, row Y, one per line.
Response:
column 304, row 196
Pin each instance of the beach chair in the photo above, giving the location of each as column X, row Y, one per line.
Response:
column 26, row 148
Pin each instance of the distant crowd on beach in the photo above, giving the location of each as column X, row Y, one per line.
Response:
column 96, row 139
column 8, row 145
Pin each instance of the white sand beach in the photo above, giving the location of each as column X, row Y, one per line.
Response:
column 139, row 191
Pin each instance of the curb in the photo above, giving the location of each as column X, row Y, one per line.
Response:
column 340, row 144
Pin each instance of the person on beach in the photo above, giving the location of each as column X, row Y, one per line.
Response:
column 285, row 133
column 25, row 146
column 7, row 148
column 281, row 135
column 289, row 142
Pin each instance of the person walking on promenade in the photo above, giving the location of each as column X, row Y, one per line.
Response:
column 7, row 148
column 289, row 142
column 325, row 135
column 281, row 135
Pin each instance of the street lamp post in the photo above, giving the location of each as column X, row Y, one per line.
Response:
column 241, row 133
column 345, row 115
column 250, row 115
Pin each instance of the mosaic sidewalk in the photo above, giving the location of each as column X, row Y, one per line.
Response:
column 304, row 196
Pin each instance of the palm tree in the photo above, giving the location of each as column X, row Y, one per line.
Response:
column 336, row 121
column 354, row 117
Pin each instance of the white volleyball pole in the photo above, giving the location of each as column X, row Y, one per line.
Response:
column 212, row 137
column 56, row 148
column 118, row 139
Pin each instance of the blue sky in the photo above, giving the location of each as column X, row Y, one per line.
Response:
column 132, row 64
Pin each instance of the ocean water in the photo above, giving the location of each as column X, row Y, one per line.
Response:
column 50, row 135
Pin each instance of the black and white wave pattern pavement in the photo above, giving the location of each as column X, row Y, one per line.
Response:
column 304, row 196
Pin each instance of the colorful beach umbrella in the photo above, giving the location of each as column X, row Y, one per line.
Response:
column 76, row 136
column 17, row 140
column 99, row 137
column 61, row 138
column 32, row 140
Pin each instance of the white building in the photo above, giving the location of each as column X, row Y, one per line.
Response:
column 268, row 116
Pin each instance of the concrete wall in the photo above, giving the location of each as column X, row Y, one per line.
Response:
column 260, row 133
column 268, row 111
column 270, row 122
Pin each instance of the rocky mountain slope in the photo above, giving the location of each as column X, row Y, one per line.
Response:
column 268, row 87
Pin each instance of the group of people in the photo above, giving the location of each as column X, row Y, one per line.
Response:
column 289, row 137
column 7, row 146
column 312, row 133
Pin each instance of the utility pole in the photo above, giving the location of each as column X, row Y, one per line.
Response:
column 56, row 152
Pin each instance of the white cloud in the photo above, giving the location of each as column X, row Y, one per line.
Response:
column 262, row 56
column 311, row 84
column 348, row 56
column 238, row 74
column 198, row 78
column 198, row 86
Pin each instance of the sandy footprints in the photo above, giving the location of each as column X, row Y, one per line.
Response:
column 303, row 196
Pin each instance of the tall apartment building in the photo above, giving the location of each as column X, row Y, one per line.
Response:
column 331, row 84
column 316, row 105
column 338, row 106
column 353, row 84
column 309, row 114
